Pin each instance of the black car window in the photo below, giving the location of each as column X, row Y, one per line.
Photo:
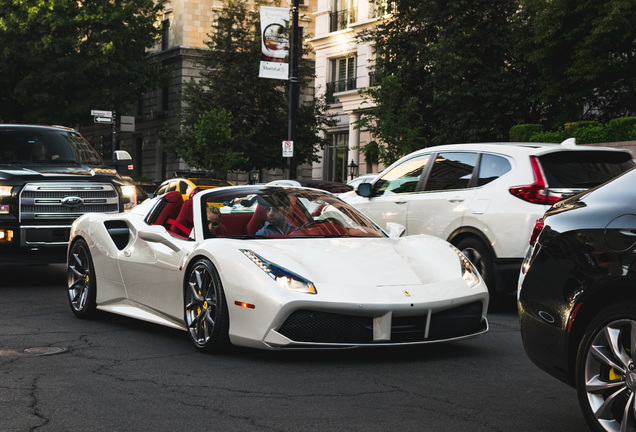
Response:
column 403, row 178
column 451, row 171
column 491, row 167
column 583, row 169
column 183, row 187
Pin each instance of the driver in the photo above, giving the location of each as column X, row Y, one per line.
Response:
column 276, row 223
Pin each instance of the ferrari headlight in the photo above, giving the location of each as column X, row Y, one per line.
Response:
column 283, row 277
column 469, row 273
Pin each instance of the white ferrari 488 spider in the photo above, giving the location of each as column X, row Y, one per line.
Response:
column 272, row 268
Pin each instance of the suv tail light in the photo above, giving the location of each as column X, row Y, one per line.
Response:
column 537, row 192
column 538, row 227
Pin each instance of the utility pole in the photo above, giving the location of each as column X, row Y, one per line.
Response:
column 293, row 89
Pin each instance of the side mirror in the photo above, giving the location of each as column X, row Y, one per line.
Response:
column 157, row 234
column 364, row 190
column 395, row 230
column 122, row 155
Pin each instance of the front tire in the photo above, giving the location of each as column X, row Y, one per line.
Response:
column 606, row 370
column 81, row 283
column 206, row 314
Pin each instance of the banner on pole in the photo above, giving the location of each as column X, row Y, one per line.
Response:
column 274, row 43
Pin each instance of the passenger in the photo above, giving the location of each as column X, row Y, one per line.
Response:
column 276, row 223
column 214, row 220
column 39, row 151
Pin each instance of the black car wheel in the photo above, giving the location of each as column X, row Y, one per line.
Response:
column 82, row 287
column 606, row 370
column 478, row 254
column 206, row 313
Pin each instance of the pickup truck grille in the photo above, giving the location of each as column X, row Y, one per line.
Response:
column 54, row 201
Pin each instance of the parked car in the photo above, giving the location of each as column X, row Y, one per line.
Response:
column 334, row 280
column 577, row 302
column 188, row 186
column 484, row 198
column 326, row 185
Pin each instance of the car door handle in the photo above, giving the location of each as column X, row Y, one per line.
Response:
column 400, row 202
column 456, row 200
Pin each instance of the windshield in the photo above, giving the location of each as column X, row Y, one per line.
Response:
column 266, row 212
column 34, row 145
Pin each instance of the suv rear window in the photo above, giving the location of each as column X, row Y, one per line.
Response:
column 583, row 169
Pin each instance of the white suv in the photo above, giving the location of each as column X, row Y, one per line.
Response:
column 485, row 198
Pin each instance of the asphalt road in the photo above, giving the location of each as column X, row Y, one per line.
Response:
column 59, row 373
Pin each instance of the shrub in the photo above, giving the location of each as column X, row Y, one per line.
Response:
column 523, row 132
column 573, row 128
column 622, row 129
column 595, row 134
column 549, row 136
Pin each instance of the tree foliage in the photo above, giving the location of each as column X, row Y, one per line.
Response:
column 471, row 69
column 583, row 53
column 61, row 58
column 452, row 63
column 257, row 107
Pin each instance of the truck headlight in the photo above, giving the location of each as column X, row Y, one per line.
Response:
column 130, row 192
column 6, row 190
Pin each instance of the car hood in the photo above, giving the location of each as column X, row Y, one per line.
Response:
column 412, row 260
column 46, row 170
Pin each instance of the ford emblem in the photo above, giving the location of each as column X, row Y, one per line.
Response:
column 72, row 201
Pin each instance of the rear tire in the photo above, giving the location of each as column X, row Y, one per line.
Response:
column 81, row 283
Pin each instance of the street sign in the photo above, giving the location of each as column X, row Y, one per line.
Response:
column 103, row 120
column 288, row 149
column 99, row 113
column 127, row 123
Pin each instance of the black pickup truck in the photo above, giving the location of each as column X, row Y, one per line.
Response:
column 49, row 176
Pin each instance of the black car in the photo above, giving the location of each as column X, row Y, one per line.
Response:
column 577, row 300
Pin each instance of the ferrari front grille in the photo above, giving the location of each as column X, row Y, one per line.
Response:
column 326, row 327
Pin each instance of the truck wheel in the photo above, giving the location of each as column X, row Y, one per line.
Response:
column 82, row 287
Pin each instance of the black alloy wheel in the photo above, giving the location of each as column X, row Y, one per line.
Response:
column 206, row 314
column 81, row 283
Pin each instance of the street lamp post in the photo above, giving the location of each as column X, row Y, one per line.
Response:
column 353, row 169
column 293, row 88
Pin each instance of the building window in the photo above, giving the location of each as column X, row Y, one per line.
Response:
column 343, row 76
column 336, row 157
column 343, row 13
column 165, row 34
column 380, row 8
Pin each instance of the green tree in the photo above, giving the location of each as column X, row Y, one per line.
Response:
column 584, row 56
column 257, row 107
column 455, row 61
column 61, row 58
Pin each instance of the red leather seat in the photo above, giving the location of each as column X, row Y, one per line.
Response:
column 183, row 223
column 258, row 220
column 170, row 205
